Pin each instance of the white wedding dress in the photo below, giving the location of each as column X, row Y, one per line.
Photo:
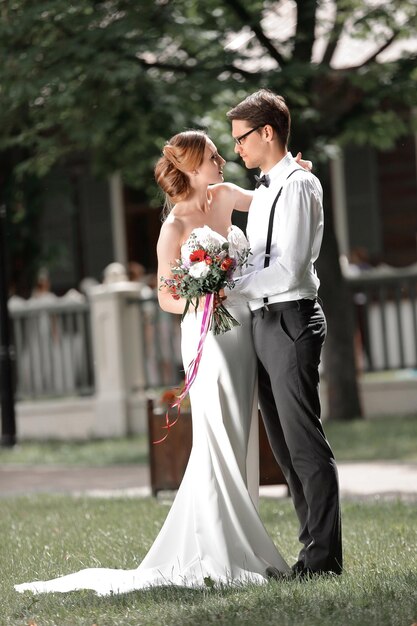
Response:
column 213, row 530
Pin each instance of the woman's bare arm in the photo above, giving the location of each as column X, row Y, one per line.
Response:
column 242, row 198
column 168, row 250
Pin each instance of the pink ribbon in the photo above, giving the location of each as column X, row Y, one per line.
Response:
column 192, row 369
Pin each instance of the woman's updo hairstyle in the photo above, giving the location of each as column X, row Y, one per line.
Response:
column 182, row 154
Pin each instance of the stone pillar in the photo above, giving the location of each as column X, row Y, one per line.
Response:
column 118, row 355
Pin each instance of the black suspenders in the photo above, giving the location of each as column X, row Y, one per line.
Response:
column 270, row 228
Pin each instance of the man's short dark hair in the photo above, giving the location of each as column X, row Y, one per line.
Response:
column 264, row 107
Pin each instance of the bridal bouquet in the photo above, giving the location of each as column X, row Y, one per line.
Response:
column 207, row 268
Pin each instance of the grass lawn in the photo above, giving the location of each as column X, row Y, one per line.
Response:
column 46, row 536
column 96, row 452
column 388, row 438
column 385, row 438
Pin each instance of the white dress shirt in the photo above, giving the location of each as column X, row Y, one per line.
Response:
column 296, row 238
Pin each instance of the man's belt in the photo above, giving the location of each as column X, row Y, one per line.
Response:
column 305, row 303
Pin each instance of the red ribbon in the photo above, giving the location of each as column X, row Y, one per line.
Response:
column 192, row 369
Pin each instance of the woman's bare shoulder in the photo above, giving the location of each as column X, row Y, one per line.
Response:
column 172, row 228
column 238, row 197
column 221, row 188
column 223, row 192
column 173, row 223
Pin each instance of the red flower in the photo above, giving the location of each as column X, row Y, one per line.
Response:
column 208, row 260
column 174, row 294
column 226, row 264
column 197, row 256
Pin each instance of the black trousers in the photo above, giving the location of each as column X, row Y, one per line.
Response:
column 288, row 344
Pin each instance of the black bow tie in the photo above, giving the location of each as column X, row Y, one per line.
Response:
column 262, row 180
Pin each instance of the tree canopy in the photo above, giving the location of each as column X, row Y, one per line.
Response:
column 116, row 78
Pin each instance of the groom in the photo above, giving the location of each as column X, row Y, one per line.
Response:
column 285, row 228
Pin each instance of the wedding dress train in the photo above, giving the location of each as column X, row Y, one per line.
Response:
column 213, row 531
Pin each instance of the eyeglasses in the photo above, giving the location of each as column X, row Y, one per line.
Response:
column 238, row 140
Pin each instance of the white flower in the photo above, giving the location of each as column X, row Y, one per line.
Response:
column 199, row 270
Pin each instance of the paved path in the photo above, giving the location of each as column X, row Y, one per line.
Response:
column 356, row 480
column 20, row 480
column 377, row 478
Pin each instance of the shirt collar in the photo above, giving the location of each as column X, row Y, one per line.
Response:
column 280, row 167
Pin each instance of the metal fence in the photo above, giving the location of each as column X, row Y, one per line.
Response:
column 386, row 317
column 52, row 340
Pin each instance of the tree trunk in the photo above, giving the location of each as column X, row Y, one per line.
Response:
column 23, row 196
column 338, row 354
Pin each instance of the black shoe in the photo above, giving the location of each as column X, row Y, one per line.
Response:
column 309, row 574
column 275, row 574
column 298, row 567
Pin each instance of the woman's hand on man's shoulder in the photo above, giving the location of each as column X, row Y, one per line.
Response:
column 306, row 165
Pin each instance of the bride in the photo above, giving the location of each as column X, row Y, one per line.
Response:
column 213, row 532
